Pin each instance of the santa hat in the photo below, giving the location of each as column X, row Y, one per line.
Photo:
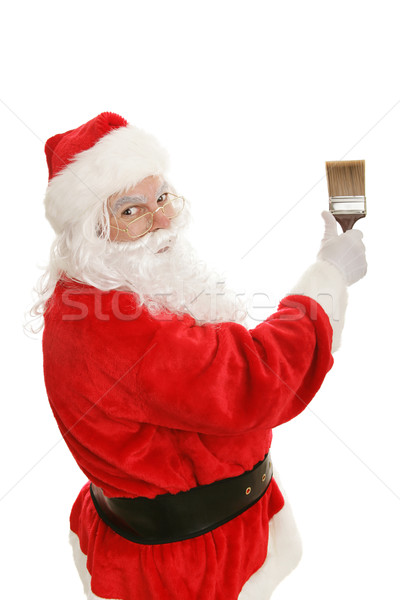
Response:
column 90, row 163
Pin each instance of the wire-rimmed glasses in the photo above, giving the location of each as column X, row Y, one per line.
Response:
column 171, row 206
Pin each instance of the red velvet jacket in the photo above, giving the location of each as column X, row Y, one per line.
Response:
column 149, row 405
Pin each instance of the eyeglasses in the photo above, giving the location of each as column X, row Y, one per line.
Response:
column 170, row 206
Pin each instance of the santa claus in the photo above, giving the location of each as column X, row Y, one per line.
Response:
column 165, row 398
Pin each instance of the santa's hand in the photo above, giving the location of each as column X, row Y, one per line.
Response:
column 345, row 251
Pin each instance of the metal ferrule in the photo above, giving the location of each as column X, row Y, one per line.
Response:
column 348, row 205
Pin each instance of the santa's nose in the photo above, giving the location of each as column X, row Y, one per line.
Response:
column 160, row 221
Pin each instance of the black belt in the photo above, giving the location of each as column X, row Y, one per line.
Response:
column 175, row 517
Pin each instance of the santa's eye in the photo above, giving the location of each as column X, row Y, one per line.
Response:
column 163, row 198
column 128, row 212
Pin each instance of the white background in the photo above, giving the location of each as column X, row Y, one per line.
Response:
column 250, row 99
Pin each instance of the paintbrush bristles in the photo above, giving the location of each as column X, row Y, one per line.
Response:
column 346, row 177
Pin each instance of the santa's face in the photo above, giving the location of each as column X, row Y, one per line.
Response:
column 148, row 195
column 160, row 266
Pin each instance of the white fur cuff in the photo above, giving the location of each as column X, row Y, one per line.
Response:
column 324, row 283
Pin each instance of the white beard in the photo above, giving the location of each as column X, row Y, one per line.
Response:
column 174, row 280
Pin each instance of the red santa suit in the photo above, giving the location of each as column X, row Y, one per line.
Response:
column 160, row 405
column 153, row 404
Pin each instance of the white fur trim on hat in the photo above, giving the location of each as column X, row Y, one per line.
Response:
column 119, row 160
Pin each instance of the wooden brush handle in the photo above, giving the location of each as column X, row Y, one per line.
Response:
column 347, row 221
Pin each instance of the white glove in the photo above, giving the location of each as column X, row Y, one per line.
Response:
column 345, row 251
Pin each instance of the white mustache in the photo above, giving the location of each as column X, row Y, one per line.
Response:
column 154, row 241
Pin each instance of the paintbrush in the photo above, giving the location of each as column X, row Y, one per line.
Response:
column 346, row 187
